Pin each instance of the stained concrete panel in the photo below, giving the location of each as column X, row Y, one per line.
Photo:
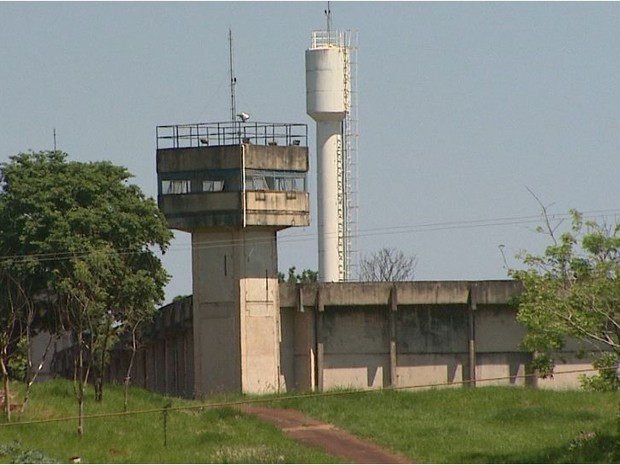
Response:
column 218, row 359
column 260, row 351
column 304, row 366
column 354, row 294
column 203, row 203
column 279, row 158
column 304, row 349
column 287, row 349
column 497, row 329
column 258, row 250
column 432, row 329
column 495, row 292
column 430, row 369
column 356, row 371
column 408, row 293
column 360, row 331
column 212, row 267
column 501, row 369
column 260, row 290
column 420, row 293
column 304, row 331
column 199, row 158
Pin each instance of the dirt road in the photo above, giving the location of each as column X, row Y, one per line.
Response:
column 333, row 440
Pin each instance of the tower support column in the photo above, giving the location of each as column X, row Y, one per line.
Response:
column 329, row 146
column 236, row 311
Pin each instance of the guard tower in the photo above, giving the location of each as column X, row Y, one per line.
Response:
column 233, row 186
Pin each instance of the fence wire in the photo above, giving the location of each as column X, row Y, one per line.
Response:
column 270, row 399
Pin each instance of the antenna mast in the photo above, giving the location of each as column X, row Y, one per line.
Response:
column 233, row 79
column 328, row 15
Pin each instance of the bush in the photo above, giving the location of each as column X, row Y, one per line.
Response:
column 593, row 447
column 18, row 363
column 14, row 452
column 607, row 379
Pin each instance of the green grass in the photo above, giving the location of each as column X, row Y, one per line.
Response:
column 482, row 425
column 220, row 435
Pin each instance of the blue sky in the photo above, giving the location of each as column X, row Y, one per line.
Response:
column 462, row 108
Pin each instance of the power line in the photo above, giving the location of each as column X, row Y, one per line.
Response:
column 416, row 228
column 264, row 400
column 388, row 230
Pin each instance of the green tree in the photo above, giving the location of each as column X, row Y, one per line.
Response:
column 12, row 334
column 572, row 290
column 306, row 276
column 83, row 239
column 17, row 312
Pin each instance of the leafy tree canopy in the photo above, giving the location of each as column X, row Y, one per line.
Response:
column 56, row 214
column 572, row 290
column 306, row 276
column 80, row 238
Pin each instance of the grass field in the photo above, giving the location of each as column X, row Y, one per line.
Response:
column 220, row 435
column 482, row 425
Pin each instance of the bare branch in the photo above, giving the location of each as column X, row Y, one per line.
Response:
column 388, row 264
column 550, row 230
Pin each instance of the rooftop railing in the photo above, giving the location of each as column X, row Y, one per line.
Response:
column 230, row 133
column 325, row 39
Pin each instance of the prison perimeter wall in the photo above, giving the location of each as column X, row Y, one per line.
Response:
column 371, row 336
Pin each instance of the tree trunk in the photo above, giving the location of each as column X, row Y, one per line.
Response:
column 7, row 387
column 32, row 376
column 81, row 415
column 81, row 378
column 134, row 347
column 102, row 362
column 80, row 387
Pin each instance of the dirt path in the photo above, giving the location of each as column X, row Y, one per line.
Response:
column 333, row 440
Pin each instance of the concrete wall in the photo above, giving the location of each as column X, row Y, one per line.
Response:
column 217, row 352
column 192, row 208
column 164, row 362
column 372, row 335
column 363, row 335
column 278, row 209
column 253, row 208
column 283, row 158
column 431, row 344
column 236, row 311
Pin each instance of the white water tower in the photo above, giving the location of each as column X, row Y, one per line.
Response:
column 331, row 102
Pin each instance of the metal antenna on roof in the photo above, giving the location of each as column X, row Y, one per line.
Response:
column 328, row 15
column 233, row 79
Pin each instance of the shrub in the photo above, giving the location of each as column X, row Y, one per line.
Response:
column 607, row 379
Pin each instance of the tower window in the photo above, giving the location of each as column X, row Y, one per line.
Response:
column 175, row 186
column 212, row 186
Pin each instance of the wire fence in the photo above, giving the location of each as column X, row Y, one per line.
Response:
column 279, row 398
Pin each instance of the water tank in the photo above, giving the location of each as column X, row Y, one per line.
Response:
column 325, row 75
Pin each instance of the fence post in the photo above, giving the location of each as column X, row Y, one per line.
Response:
column 471, row 316
column 164, row 414
column 393, row 304
column 320, row 354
